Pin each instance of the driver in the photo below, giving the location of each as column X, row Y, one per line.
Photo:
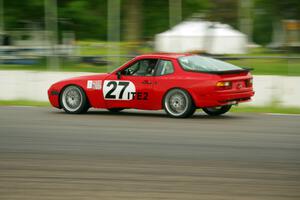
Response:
column 151, row 67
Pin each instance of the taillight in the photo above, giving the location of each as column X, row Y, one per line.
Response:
column 249, row 82
column 224, row 85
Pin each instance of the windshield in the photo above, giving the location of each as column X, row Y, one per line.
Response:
column 205, row 64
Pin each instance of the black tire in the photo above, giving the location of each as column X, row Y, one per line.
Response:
column 75, row 103
column 215, row 111
column 178, row 103
column 115, row 110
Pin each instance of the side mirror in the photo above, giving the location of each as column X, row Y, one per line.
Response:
column 119, row 74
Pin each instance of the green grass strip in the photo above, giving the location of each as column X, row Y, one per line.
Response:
column 23, row 103
column 266, row 109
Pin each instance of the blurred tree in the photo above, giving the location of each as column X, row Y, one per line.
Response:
column 156, row 17
column 225, row 11
column 156, row 14
column 21, row 14
column 268, row 14
column 86, row 18
column 175, row 12
column 142, row 19
column 132, row 20
column 198, row 7
column 245, row 18
column 288, row 9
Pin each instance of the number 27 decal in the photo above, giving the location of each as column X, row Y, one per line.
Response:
column 118, row 90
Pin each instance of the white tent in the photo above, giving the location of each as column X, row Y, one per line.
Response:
column 213, row 38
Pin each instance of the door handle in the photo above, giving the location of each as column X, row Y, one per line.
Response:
column 146, row 82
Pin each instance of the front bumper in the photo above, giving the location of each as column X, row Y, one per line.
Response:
column 53, row 96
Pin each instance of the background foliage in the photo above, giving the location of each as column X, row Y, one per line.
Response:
column 88, row 17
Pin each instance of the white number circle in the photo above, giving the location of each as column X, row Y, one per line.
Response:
column 118, row 90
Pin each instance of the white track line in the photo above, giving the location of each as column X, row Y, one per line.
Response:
column 283, row 114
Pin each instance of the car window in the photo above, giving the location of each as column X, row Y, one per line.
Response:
column 164, row 67
column 205, row 64
column 141, row 68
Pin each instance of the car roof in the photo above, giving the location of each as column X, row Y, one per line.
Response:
column 163, row 55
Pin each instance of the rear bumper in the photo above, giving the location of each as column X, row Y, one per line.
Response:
column 225, row 98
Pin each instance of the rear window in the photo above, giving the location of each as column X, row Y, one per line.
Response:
column 205, row 64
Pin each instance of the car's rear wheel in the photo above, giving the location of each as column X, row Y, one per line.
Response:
column 178, row 103
column 73, row 100
column 215, row 111
column 115, row 110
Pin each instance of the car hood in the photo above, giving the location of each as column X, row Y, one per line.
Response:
column 98, row 76
column 77, row 80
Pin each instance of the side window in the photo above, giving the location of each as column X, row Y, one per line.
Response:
column 164, row 67
column 141, row 68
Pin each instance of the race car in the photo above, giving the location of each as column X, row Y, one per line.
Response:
column 177, row 83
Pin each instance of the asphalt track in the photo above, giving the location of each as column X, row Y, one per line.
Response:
column 47, row 154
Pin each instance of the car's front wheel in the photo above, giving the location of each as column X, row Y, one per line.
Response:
column 73, row 100
column 179, row 103
column 215, row 111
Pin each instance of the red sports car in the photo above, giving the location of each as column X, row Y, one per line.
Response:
column 177, row 83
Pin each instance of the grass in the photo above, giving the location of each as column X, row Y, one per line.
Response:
column 23, row 103
column 261, row 66
column 271, row 66
column 266, row 109
column 112, row 48
column 64, row 67
column 238, row 109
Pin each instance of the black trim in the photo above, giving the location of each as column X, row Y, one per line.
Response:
column 223, row 72
column 156, row 66
column 54, row 92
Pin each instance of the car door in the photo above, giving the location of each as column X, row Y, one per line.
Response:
column 164, row 79
column 132, row 88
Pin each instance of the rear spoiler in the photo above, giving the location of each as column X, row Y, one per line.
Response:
column 244, row 69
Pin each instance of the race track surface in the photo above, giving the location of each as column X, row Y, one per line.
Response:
column 47, row 154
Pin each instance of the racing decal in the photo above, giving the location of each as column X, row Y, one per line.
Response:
column 94, row 84
column 118, row 90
